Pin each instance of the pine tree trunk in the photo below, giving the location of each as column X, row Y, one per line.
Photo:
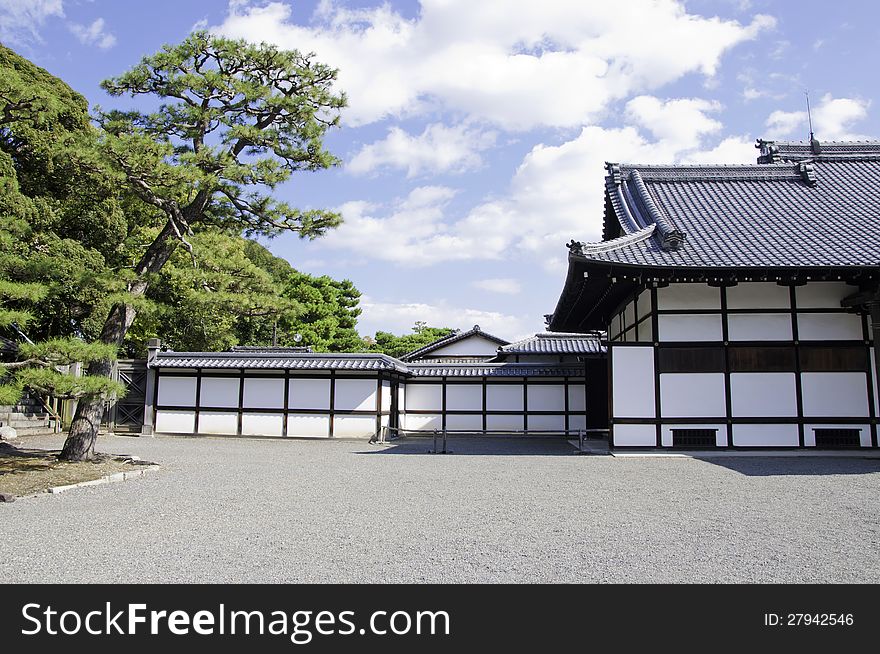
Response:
column 80, row 443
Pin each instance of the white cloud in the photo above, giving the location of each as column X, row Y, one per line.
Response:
column 514, row 63
column 832, row 120
column 93, row 34
column 20, row 20
column 438, row 149
column 505, row 286
column 680, row 123
column 399, row 318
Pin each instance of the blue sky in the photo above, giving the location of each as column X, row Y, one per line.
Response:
column 476, row 133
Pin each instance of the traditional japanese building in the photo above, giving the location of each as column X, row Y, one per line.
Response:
column 740, row 302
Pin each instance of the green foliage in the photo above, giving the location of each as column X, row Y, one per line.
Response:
column 397, row 346
column 47, row 381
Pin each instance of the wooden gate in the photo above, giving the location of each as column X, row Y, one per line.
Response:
column 126, row 415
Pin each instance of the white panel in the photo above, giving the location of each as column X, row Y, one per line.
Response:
column 177, row 391
column 547, row 423
column 309, row 393
column 265, row 393
column 646, row 331
column 308, row 426
column 759, row 326
column 644, row 304
column 810, row 435
column 546, row 398
column 513, row 423
column 473, row 422
column 468, row 397
column 577, row 399
column 424, row 397
column 633, row 382
column 262, row 424
column 695, row 327
column 504, row 398
column 688, row 296
column 829, row 327
column 223, row 424
column 692, row 395
column 765, row 435
column 475, row 345
column 355, row 395
column 634, row 435
column 835, row 394
column 720, row 433
column 577, row 422
column 629, row 315
column 417, row 422
column 822, row 295
column 386, row 396
column 758, row 295
column 175, row 422
column 763, row 394
column 220, row 392
column 354, row 427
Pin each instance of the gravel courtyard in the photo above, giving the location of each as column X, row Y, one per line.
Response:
column 226, row 510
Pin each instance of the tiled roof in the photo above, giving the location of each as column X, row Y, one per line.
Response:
column 776, row 151
column 821, row 211
column 494, row 370
column 556, row 343
column 449, row 340
column 270, row 349
column 274, row 361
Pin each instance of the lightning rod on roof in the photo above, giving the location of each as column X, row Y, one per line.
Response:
column 814, row 144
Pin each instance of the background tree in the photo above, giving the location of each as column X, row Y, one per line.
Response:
column 397, row 346
column 236, row 120
column 53, row 213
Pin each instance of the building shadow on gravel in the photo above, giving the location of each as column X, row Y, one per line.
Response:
column 477, row 446
column 795, row 466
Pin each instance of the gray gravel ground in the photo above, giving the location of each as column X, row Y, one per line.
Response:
column 226, row 510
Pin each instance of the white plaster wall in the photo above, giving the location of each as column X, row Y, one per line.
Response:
column 459, row 422
column 262, row 424
column 175, row 422
column 504, row 397
column 177, row 391
column 822, row 295
column 758, row 295
column 547, row 423
column 759, row 326
column 633, row 382
column 546, row 398
column 263, row 393
column 829, row 327
column 720, row 434
column 513, row 423
column 475, row 345
column 810, row 434
column 308, row 426
column 219, row 392
column 693, row 327
column 386, row 396
column 765, row 435
column 763, row 394
column 644, row 304
column 424, row 397
column 577, row 422
column 354, row 427
column 692, row 395
column 835, row 394
column 413, row 421
column 355, row 395
column 467, row 397
column 577, row 400
column 221, row 424
column 688, row 296
column 309, row 394
column 634, row 435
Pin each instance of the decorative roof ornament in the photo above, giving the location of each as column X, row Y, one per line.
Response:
column 614, row 173
column 575, row 248
column 808, row 173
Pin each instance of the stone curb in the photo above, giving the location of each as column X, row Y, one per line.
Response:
column 107, row 479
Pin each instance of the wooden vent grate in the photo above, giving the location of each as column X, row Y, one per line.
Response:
column 838, row 437
column 694, row 437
